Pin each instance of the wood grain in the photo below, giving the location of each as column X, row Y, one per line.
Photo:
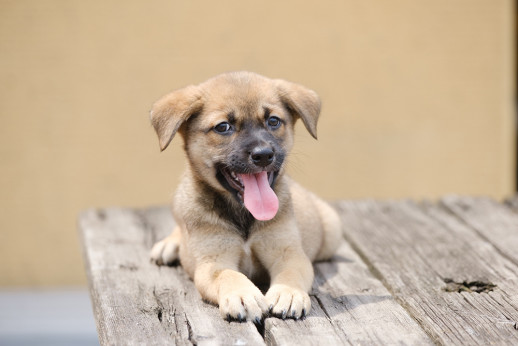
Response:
column 416, row 249
column 136, row 302
column 409, row 273
column 497, row 223
column 349, row 306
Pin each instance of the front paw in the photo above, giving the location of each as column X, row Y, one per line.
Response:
column 241, row 304
column 288, row 302
column 165, row 252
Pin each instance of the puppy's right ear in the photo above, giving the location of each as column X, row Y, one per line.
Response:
column 169, row 112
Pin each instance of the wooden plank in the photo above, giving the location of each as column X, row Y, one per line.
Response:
column 349, row 306
column 136, row 302
column 421, row 253
column 495, row 222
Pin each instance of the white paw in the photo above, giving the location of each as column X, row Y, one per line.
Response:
column 246, row 303
column 288, row 302
column 165, row 252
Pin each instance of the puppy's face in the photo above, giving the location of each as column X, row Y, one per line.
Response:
column 237, row 130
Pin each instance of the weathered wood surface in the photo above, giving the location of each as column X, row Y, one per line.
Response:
column 138, row 302
column 433, row 263
column 495, row 222
column 411, row 279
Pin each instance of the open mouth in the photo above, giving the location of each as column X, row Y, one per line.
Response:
column 254, row 190
column 235, row 181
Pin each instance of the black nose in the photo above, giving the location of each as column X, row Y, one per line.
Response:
column 262, row 156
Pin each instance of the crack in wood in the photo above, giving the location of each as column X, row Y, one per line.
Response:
column 260, row 327
column 174, row 321
column 160, row 315
column 189, row 331
column 170, row 320
column 322, row 306
column 159, row 310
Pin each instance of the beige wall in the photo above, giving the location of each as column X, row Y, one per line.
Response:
column 417, row 95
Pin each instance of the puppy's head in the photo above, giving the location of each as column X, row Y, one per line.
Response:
column 237, row 130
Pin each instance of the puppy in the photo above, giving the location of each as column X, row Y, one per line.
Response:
column 240, row 218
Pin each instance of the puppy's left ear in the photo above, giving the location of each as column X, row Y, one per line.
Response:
column 172, row 110
column 301, row 102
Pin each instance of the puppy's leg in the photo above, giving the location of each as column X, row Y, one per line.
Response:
column 165, row 252
column 291, row 275
column 218, row 280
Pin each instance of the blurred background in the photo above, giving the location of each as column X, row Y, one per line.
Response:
column 418, row 101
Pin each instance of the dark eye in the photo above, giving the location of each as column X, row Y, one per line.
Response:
column 223, row 128
column 274, row 122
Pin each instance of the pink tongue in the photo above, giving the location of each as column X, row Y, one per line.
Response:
column 259, row 198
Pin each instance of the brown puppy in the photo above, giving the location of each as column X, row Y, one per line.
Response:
column 239, row 217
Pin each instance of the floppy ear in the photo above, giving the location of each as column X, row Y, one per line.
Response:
column 169, row 112
column 301, row 102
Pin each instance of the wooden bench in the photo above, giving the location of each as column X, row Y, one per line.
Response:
column 408, row 273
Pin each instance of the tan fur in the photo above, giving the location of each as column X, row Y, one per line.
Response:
column 221, row 257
